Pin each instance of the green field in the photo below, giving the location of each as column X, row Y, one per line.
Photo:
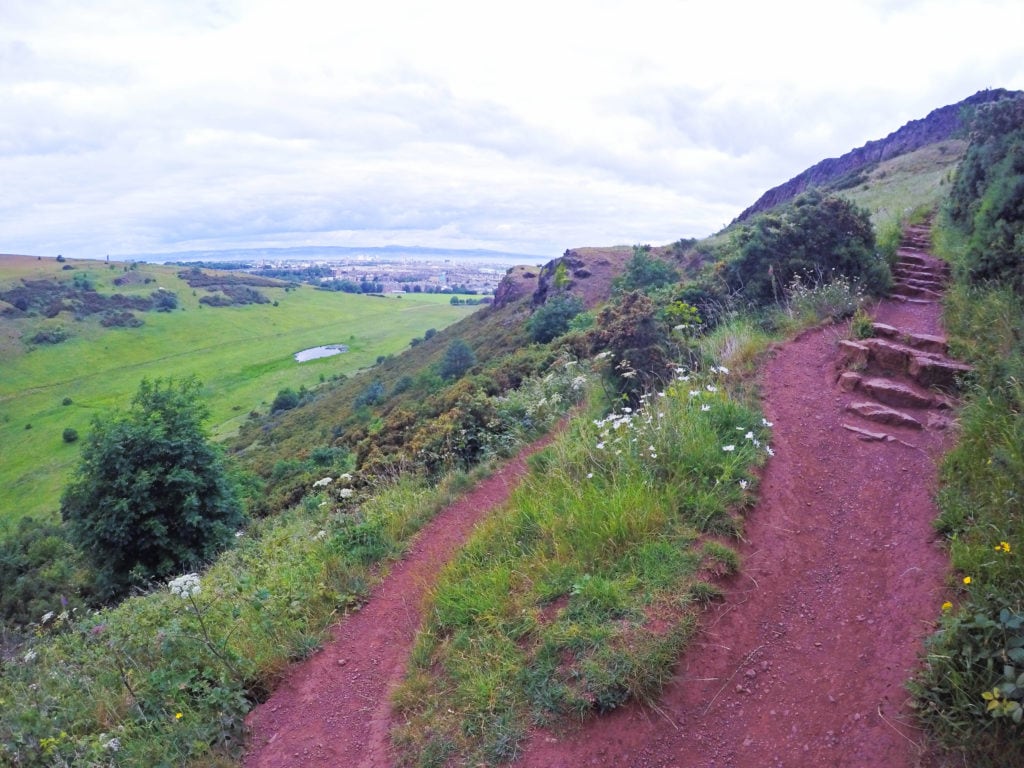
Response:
column 242, row 354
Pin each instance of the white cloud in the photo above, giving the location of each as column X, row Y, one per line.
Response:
column 532, row 126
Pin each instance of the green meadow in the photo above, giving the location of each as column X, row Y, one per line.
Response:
column 243, row 355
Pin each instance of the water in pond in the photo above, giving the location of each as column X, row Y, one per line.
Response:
column 325, row 351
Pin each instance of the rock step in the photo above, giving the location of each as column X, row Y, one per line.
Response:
column 884, row 415
column 926, row 342
column 933, row 279
column 921, row 259
column 919, row 280
column 901, row 288
column 889, row 392
column 927, row 368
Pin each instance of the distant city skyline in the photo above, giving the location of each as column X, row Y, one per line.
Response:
column 526, row 128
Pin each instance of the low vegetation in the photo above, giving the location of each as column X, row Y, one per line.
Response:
column 971, row 690
column 576, row 597
column 584, row 591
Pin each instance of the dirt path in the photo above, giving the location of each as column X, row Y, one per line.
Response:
column 804, row 662
column 333, row 709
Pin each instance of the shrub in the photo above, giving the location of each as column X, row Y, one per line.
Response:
column 70, row 435
column 286, row 399
column 458, row 359
column 150, row 496
column 644, row 272
column 818, row 237
column 552, row 318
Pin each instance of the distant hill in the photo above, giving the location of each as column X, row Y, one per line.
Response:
column 940, row 124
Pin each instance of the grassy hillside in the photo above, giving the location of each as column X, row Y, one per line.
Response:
column 242, row 354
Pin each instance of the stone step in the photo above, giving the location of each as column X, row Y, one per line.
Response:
column 889, row 392
column 925, row 342
column 918, row 280
column 921, row 259
column 884, row 415
column 932, row 280
column 900, row 288
column 937, row 372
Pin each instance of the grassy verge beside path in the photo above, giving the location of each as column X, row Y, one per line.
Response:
column 584, row 591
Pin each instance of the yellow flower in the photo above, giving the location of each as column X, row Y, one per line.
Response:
column 967, row 579
column 178, row 715
column 1004, row 546
column 946, row 606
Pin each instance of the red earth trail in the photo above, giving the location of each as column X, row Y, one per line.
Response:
column 804, row 661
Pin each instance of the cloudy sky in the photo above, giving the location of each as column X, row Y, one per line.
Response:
column 149, row 126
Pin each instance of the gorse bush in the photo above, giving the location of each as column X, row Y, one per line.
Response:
column 987, row 199
column 816, row 236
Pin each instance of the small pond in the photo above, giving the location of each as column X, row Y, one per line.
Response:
column 325, row 351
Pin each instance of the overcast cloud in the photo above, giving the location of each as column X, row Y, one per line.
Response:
column 134, row 127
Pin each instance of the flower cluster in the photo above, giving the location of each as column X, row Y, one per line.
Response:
column 185, row 586
column 1004, row 546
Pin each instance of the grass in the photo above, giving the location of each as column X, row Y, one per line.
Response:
column 243, row 361
column 979, row 644
column 583, row 592
column 170, row 680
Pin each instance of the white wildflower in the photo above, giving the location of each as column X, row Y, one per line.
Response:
column 323, row 482
column 29, row 656
column 579, row 382
column 114, row 745
column 770, row 451
column 651, row 448
column 723, row 369
column 345, row 478
column 346, row 493
column 683, row 378
column 321, row 534
column 694, row 392
column 185, row 586
column 749, row 436
column 627, row 410
column 590, row 475
column 711, row 388
column 628, row 374
column 766, row 423
column 654, row 455
column 705, row 407
column 46, row 617
column 600, row 446
column 743, row 484
column 728, row 448
column 603, row 355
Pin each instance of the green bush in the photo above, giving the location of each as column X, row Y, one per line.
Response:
column 150, row 496
column 643, row 272
column 812, row 241
column 552, row 318
column 70, row 435
column 458, row 359
column 285, row 400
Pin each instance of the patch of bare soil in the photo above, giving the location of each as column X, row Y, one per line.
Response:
column 333, row 710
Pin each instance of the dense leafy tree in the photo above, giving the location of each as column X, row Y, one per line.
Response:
column 811, row 241
column 150, row 497
column 458, row 359
column 552, row 318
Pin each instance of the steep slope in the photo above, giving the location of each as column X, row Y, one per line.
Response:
column 940, row 124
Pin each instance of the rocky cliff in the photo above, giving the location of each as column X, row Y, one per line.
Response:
column 940, row 124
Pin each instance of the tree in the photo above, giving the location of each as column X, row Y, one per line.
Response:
column 150, row 497
column 552, row 319
column 458, row 359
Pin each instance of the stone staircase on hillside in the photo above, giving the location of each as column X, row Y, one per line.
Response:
column 903, row 379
